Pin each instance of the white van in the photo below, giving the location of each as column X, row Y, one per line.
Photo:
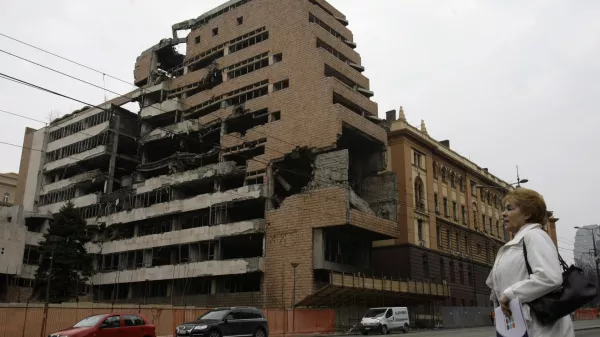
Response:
column 385, row 319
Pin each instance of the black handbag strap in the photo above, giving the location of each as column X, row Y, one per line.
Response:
column 562, row 262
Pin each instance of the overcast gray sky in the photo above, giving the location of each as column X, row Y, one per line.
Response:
column 509, row 82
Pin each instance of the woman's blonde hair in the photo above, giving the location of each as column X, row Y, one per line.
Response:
column 530, row 202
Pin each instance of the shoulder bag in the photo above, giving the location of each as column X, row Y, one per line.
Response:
column 573, row 294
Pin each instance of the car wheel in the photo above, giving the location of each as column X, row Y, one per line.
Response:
column 384, row 330
column 259, row 333
column 405, row 328
column 214, row 334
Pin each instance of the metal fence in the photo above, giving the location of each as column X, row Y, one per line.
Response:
column 466, row 317
column 21, row 320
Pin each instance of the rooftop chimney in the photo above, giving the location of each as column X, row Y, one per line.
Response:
column 445, row 143
column 390, row 116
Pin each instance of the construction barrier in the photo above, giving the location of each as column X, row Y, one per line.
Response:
column 21, row 320
column 586, row 314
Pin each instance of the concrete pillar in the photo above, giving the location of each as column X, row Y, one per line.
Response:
column 113, row 155
column 194, row 253
column 136, row 230
column 130, row 291
column 147, row 257
column 217, row 250
column 213, row 286
column 175, row 225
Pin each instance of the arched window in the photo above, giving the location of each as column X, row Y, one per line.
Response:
column 443, row 174
column 435, row 170
column 419, row 194
column 452, row 180
column 6, row 197
column 461, row 183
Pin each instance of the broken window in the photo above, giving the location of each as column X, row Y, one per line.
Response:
column 242, row 246
column 240, row 20
column 277, row 58
column 31, row 255
column 197, row 39
column 345, row 247
column 215, row 31
column 247, row 121
column 243, row 153
column 239, row 283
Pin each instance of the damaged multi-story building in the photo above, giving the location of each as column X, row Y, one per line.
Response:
column 253, row 172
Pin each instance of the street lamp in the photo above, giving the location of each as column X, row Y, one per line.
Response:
column 593, row 232
column 294, row 265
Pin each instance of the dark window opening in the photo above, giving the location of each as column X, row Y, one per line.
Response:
column 275, row 116
column 239, row 283
column 232, row 182
column 277, row 58
column 242, row 158
column 196, row 219
column 331, row 72
column 240, row 20
column 155, row 227
column 247, row 121
column 281, row 85
column 323, row 45
column 341, row 100
column 194, row 188
column 35, row 224
column 347, row 247
column 248, row 42
column 215, row 31
column 197, row 39
column 205, row 62
column 31, row 255
column 248, row 68
column 242, row 246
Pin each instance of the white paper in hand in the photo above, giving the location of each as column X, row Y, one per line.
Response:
column 514, row 326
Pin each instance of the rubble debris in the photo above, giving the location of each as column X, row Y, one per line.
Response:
column 180, row 162
column 292, row 174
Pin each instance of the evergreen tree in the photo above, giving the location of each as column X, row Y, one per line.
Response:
column 71, row 264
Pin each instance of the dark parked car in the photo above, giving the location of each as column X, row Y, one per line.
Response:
column 108, row 325
column 224, row 322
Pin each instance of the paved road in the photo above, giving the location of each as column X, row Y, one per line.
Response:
column 489, row 331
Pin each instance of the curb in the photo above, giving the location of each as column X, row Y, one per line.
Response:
column 588, row 328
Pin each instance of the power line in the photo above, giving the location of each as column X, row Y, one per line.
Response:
column 66, row 59
column 167, row 130
column 18, row 115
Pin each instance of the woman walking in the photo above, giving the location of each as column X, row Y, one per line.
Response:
column 524, row 213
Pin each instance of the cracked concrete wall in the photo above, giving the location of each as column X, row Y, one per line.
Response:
column 204, row 172
column 185, row 205
column 186, row 270
column 179, row 237
column 86, row 200
column 77, row 137
column 381, row 193
column 75, row 158
column 161, row 108
column 330, row 170
column 90, row 175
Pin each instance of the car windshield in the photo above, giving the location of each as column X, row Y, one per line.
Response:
column 215, row 314
column 89, row 321
column 375, row 312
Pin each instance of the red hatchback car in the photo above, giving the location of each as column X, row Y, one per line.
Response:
column 110, row 325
